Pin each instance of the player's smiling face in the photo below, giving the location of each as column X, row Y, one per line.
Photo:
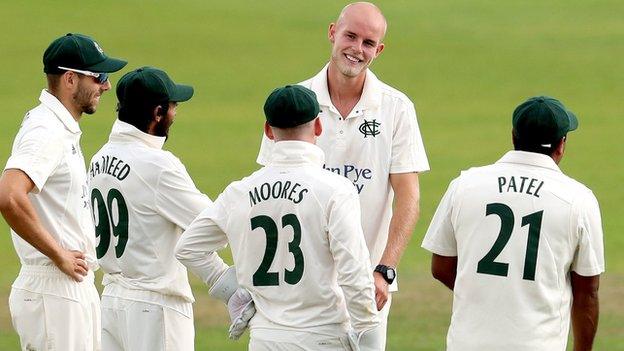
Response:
column 88, row 93
column 356, row 40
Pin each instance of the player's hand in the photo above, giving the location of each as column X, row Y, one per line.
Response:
column 241, row 308
column 73, row 264
column 381, row 290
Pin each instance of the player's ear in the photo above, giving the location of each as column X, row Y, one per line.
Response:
column 318, row 127
column 268, row 131
column 69, row 79
column 380, row 48
column 157, row 113
column 331, row 32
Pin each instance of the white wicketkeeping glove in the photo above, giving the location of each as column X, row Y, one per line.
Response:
column 240, row 305
column 241, row 308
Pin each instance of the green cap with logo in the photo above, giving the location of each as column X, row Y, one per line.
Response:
column 290, row 106
column 81, row 52
column 147, row 85
column 542, row 121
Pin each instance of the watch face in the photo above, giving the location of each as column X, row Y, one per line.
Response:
column 390, row 274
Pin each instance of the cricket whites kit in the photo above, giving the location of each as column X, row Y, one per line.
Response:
column 295, row 235
column 517, row 227
column 296, row 239
column 49, row 308
column 379, row 137
column 143, row 198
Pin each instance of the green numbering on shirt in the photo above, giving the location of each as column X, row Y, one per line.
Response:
column 487, row 265
column 262, row 276
column 105, row 220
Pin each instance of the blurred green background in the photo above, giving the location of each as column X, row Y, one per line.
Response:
column 465, row 64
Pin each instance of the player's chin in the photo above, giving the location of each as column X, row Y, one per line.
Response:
column 89, row 110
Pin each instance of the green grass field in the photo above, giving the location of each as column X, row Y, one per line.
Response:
column 465, row 64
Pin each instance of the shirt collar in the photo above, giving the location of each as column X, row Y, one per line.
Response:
column 125, row 132
column 293, row 152
column 62, row 113
column 529, row 158
column 370, row 98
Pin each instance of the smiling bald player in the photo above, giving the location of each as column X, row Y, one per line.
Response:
column 371, row 136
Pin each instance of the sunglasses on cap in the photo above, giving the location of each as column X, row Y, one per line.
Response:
column 101, row 78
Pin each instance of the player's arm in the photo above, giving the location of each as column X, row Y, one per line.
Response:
column 20, row 214
column 584, row 310
column 405, row 214
column 351, row 258
column 440, row 240
column 196, row 250
column 585, row 272
column 444, row 269
column 176, row 196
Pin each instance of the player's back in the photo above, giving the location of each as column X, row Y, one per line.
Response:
column 137, row 224
column 517, row 230
column 279, row 227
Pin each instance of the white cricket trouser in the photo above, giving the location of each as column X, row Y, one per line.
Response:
column 383, row 316
column 51, row 311
column 131, row 325
column 286, row 340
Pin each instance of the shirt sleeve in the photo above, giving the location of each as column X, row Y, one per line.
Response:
column 351, row 257
column 197, row 245
column 177, row 198
column 440, row 237
column 266, row 149
column 408, row 151
column 589, row 255
column 37, row 152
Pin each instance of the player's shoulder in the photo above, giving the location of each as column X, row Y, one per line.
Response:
column 41, row 118
column 392, row 93
column 307, row 83
column 575, row 187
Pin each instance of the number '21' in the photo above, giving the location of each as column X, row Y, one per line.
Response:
column 487, row 265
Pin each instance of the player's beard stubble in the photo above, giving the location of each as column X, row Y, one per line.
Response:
column 162, row 127
column 87, row 99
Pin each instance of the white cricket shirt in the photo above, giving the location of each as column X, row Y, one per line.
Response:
column 143, row 198
column 47, row 149
column 379, row 137
column 295, row 235
column 517, row 227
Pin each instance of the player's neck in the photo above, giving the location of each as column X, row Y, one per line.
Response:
column 344, row 91
column 68, row 103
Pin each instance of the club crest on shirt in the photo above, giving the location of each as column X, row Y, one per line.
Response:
column 369, row 128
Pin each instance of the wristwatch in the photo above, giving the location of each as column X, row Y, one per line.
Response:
column 388, row 273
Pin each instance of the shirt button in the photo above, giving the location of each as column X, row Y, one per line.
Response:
column 341, row 132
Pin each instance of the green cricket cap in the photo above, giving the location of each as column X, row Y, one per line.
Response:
column 79, row 51
column 543, row 121
column 147, row 85
column 291, row 106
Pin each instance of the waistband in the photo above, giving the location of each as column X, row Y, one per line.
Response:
column 175, row 303
column 295, row 335
column 49, row 280
column 52, row 271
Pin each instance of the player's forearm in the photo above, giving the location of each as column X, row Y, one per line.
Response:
column 196, row 250
column 21, row 216
column 584, row 323
column 585, row 310
column 406, row 212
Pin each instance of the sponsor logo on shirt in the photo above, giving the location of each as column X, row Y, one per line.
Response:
column 359, row 176
column 370, row 128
